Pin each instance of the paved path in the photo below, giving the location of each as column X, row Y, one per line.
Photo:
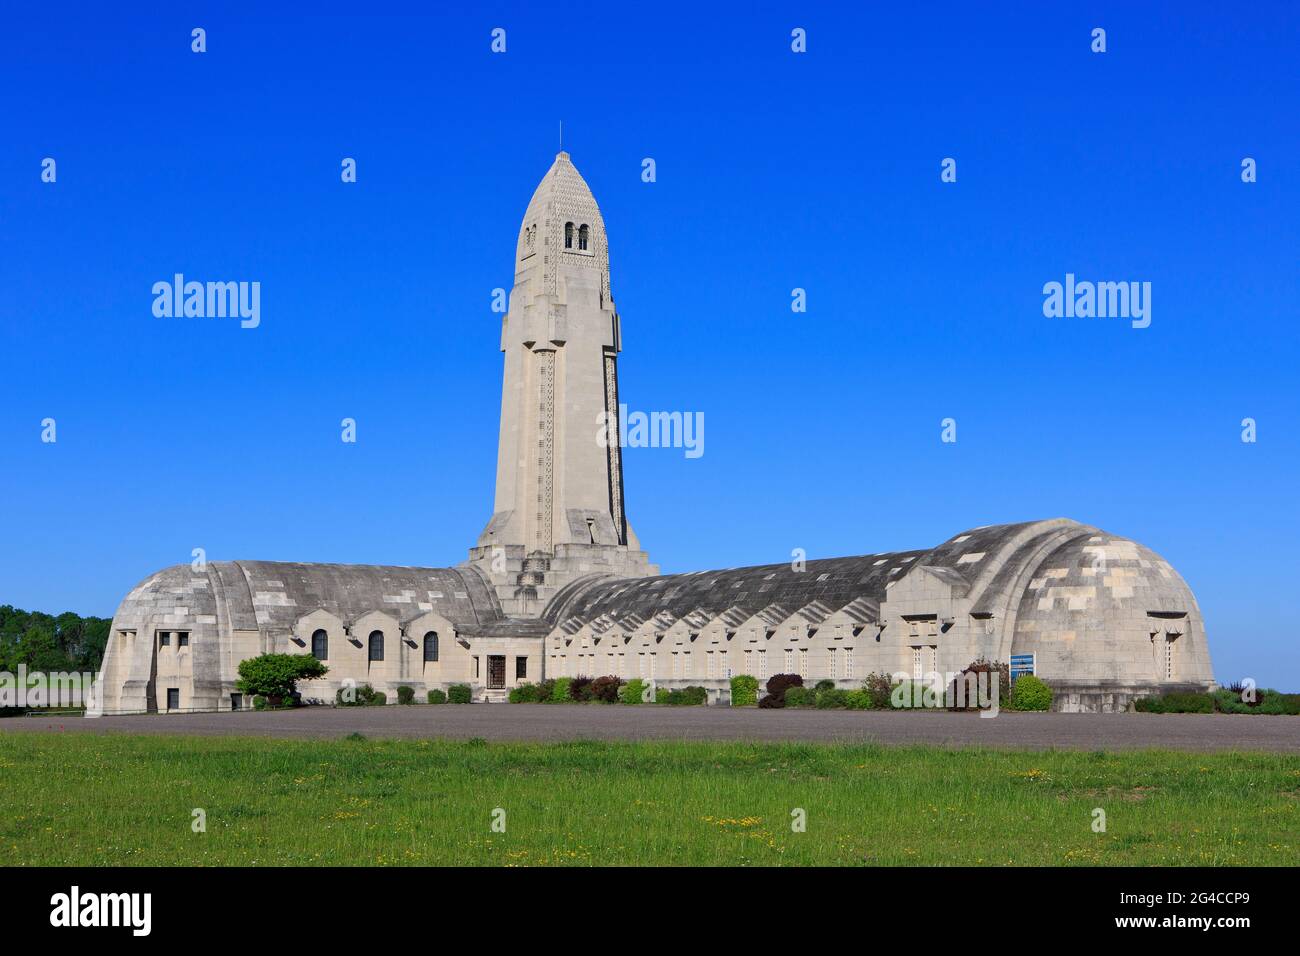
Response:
column 540, row 722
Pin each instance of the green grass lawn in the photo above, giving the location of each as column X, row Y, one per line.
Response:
column 127, row 800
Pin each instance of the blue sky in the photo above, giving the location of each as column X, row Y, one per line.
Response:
column 775, row 171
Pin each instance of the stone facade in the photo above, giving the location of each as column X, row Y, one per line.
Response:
column 557, row 583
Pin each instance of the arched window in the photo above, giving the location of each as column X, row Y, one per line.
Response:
column 568, row 235
column 431, row 646
column 376, row 645
column 582, row 238
column 320, row 645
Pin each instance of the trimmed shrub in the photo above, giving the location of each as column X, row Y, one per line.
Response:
column 437, row 697
column 580, row 689
column 824, row 684
column 744, row 691
column 632, row 691
column 560, row 692
column 778, row 684
column 831, row 699
column 362, row 696
column 1176, row 704
column 405, row 695
column 858, row 699
column 523, row 694
column 692, row 696
column 1278, row 703
column 1266, row 701
column 768, row 702
column 259, row 703
column 1030, row 693
column 914, row 695
column 661, row 695
column 605, row 689
column 799, row 696
column 545, row 691
column 459, row 694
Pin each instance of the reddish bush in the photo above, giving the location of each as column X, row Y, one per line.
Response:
column 580, row 688
column 778, row 684
column 606, row 689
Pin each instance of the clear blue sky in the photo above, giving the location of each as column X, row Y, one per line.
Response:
column 775, row 170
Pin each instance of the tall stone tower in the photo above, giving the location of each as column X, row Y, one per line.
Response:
column 559, row 513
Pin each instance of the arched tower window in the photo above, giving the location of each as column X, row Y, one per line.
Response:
column 582, row 238
column 320, row 645
column 568, row 235
column 431, row 646
column 376, row 645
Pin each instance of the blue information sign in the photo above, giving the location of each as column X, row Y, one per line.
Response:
column 1021, row 664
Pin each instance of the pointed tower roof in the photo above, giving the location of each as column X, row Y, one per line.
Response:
column 563, row 197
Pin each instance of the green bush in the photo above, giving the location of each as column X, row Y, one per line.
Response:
column 824, row 684
column 907, row 695
column 799, row 697
column 1266, row 701
column 405, row 695
column 744, row 691
column 860, row 699
column 1176, row 703
column 1030, row 693
column 523, row 694
column 259, row 702
column 631, row 692
column 545, row 691
column 831, row 699
column 459, row 694
column 362, row 696
column 560, row 692
column 692, row 696
column 276, row 676
column 437, row 697
column 661, row 695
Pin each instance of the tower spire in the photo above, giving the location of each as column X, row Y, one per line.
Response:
column 559, row 512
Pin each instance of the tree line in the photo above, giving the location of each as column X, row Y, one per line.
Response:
column 46, row 642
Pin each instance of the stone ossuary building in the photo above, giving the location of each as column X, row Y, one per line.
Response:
column 558, row 584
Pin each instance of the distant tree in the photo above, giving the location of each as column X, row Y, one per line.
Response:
column 68, row 642
column 276, row 676
column 94, row 642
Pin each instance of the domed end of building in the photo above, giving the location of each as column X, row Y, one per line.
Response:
column 1106, row 616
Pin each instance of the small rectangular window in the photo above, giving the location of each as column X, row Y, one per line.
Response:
column 521, row 668
column 183, row 638
column 173, row 698
column 164, row 638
